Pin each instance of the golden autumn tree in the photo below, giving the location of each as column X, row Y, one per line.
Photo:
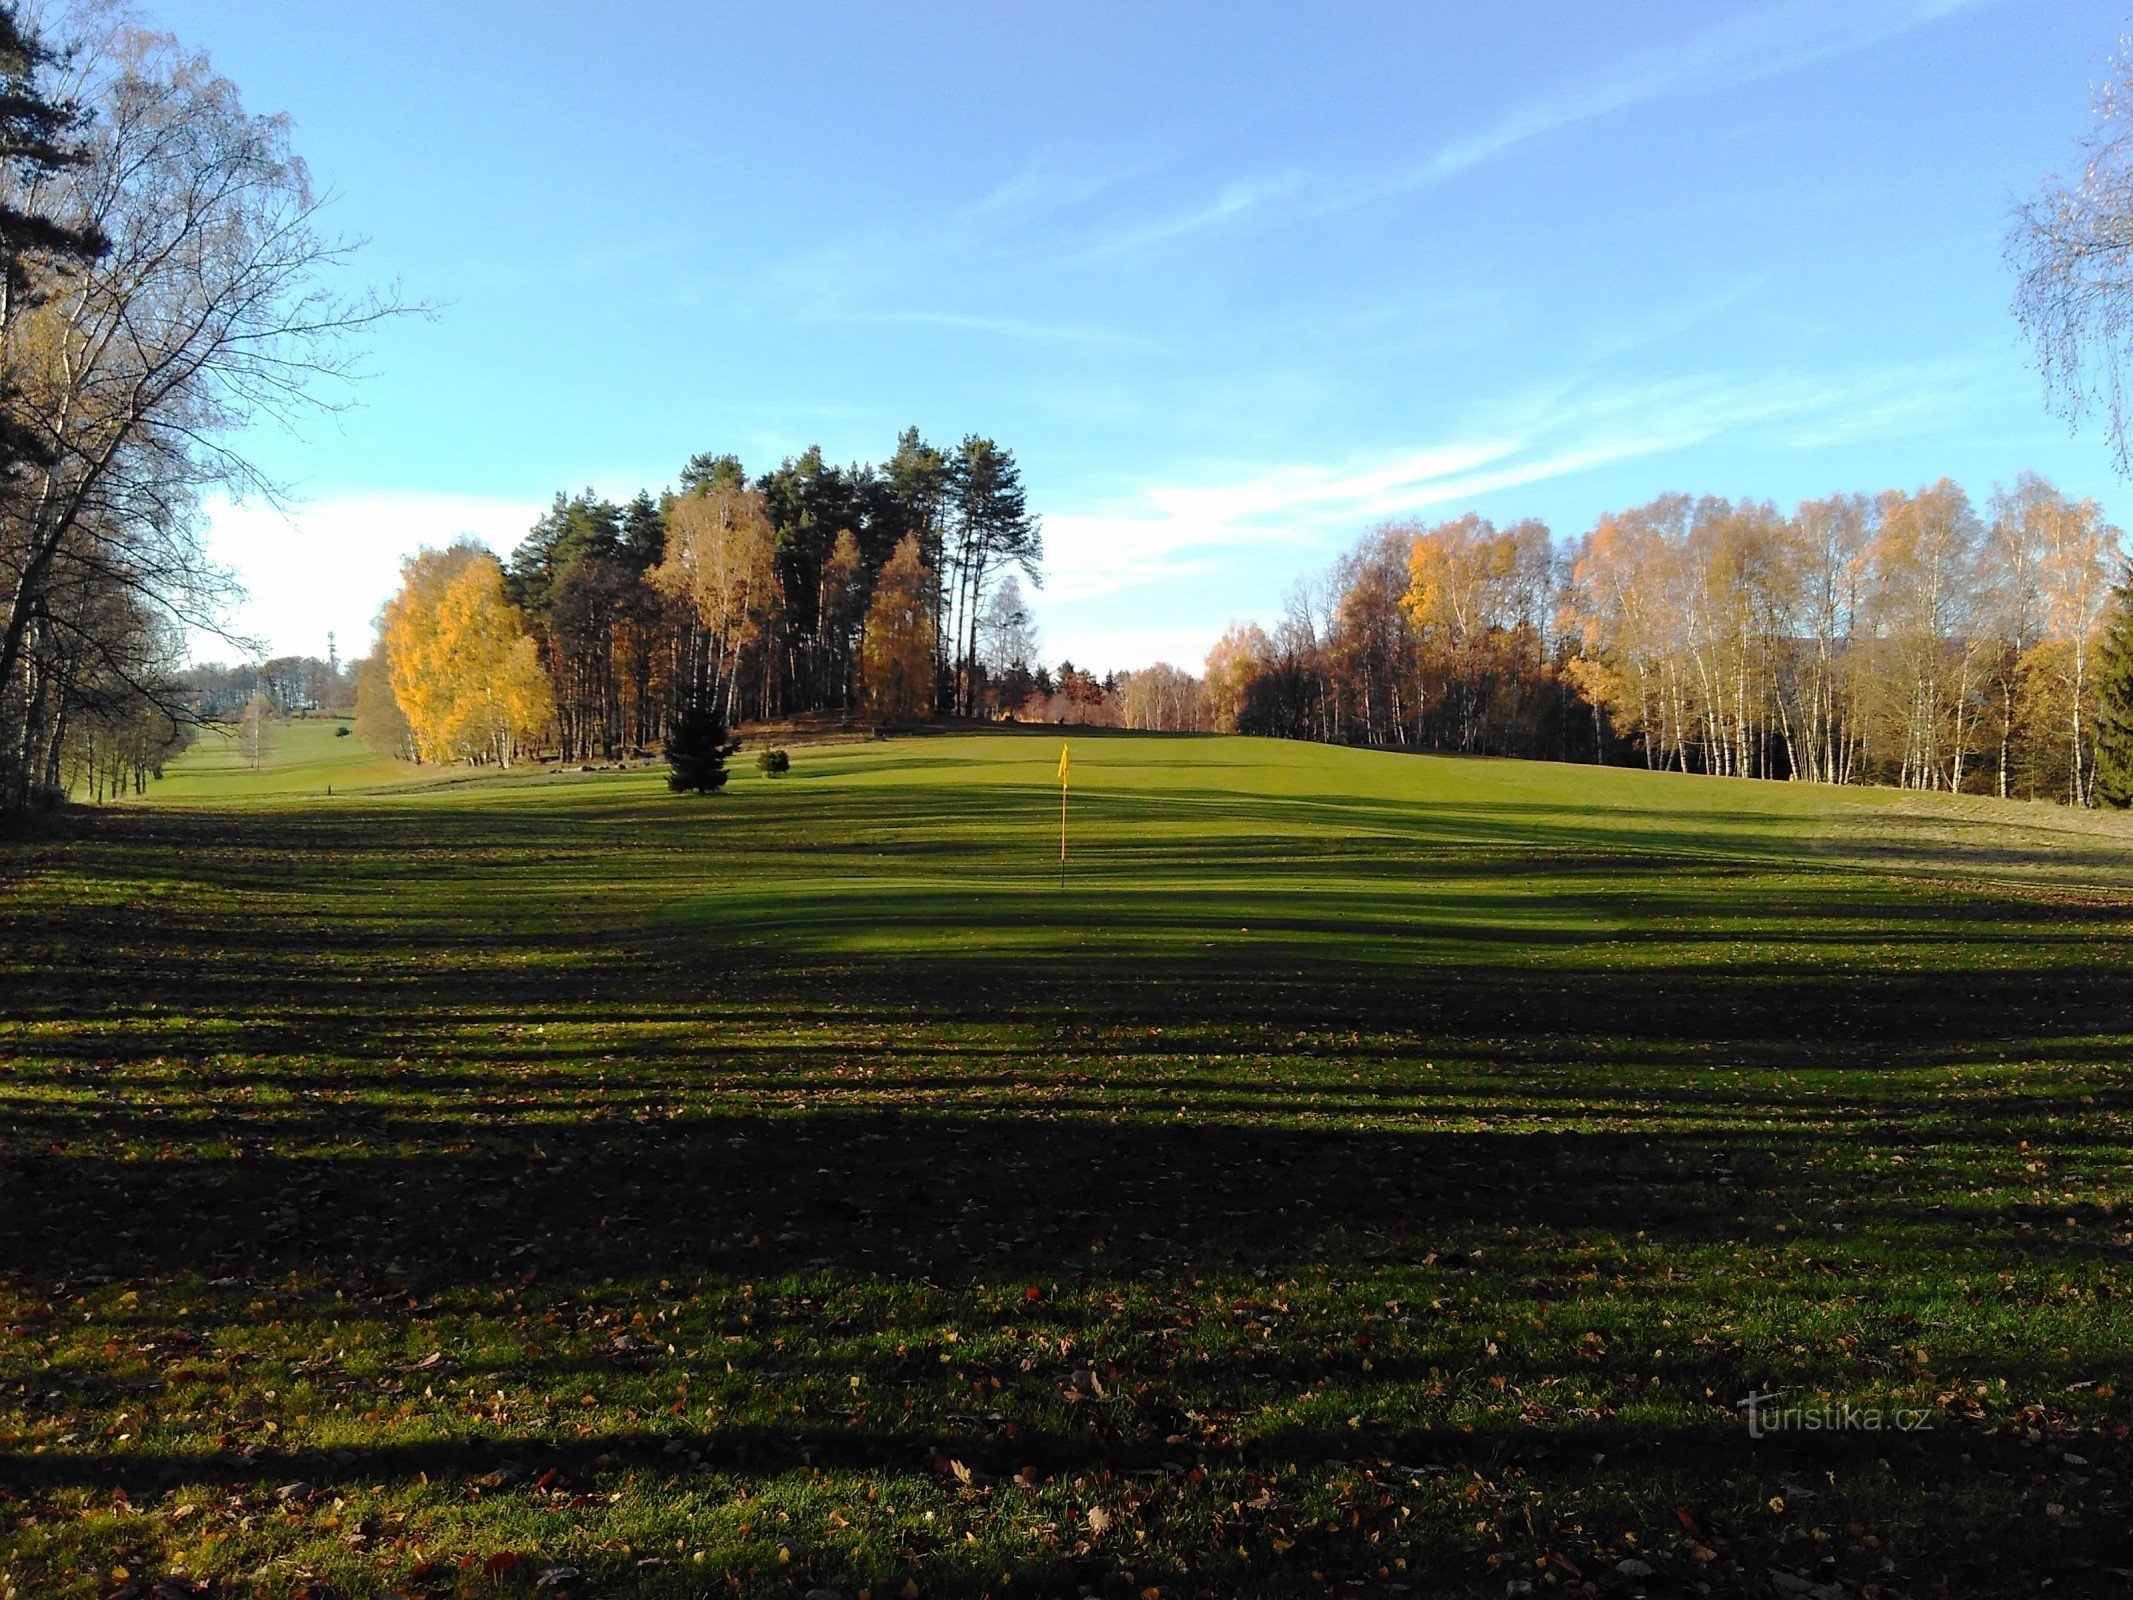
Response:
column 415, row 664
column 2044, row 582
column 1623, row 608
column 843, row 611
column 1242, row 655
column 504, row 702
column 464, row 670
column 898, row 655
column 721, row 563
column 1926, row 651
column 1476, row 601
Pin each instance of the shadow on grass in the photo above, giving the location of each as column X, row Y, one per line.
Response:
column 317, row 1073
column 1089, row 1215
column 933, row 1195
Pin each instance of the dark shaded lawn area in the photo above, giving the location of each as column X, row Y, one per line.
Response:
column 411, row 1211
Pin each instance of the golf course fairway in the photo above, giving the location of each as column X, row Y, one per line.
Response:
column 1368, row 1174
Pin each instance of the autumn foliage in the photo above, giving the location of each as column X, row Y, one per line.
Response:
column 464, row 672
column 899, row 637
column 1914, row 639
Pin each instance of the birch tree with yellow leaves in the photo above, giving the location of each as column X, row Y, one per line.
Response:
column 464, row 670
column 721, row 563
column 1881, row 638
column 1243, row 654
column 1476, row 600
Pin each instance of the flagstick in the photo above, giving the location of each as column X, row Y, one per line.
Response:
column 1062, row 814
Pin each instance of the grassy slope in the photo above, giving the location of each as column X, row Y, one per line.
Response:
column 1369, row 1170
column 299, row 759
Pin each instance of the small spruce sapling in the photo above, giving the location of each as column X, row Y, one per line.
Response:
column 696, row 751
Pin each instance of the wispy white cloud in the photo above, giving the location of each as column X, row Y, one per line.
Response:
column 1655, row 324
column 329, row 563
column 1742, row 49
column 1233, row 203
column 1004, row 327
column 1056, row 179
column 1070, row 208
column 1167, row 532
column 1932, row 398
column 853, row 269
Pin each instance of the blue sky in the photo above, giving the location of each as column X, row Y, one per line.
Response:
column 1234, row 282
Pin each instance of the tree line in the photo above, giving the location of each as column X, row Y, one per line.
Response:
column 893, row 589
column 163, row 283
column 290, row 685
column 1905, row 638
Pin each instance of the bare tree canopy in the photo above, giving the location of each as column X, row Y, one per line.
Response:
column 129, row 375
column 2072, row 248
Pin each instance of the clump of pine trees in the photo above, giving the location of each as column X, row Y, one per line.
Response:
column 812, row 588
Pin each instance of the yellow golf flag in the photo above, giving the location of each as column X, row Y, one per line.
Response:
column 1063, row 767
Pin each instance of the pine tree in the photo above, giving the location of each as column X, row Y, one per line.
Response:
column 697, row 749
column 36, row 135
column 2114, row 702
column 991, row 527
column 575, row 527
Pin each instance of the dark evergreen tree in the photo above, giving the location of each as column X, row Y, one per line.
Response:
column 34, row 133
column 590, row 597
column 575, row 526
column 617, row 625
column 707, row 471
column 697, row 750
column 989, row 529
column 644, row 532
column 2114, row 702
column 574, row 579
column 809, row 503
column 908, row 495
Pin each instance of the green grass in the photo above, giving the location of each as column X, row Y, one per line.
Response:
column 299, row 758
column 1368, row 1175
